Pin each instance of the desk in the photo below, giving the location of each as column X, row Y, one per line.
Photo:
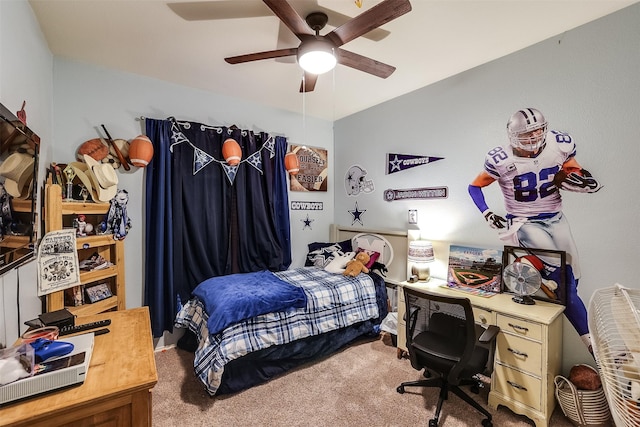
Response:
column 528, row 352
column 117, row 389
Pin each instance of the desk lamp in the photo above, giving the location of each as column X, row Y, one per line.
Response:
column 420, row 255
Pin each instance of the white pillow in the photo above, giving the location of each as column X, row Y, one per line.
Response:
column 339, row 262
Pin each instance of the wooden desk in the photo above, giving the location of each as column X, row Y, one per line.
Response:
column 117, row 390
column 528, row 352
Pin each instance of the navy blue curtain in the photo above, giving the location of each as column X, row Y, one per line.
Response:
column 219, row 219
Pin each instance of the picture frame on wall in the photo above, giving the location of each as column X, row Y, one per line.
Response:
column 98, row 292
column 552, row 265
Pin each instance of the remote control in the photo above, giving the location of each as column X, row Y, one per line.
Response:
column 66, row 330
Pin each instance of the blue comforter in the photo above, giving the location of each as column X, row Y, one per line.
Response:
column 237, row 297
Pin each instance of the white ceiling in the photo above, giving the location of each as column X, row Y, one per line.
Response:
column 437, row 39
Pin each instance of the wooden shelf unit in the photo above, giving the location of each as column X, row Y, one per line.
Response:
column 59, row 214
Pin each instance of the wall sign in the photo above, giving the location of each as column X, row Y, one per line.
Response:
column 306, row 206
column 314, row 166
column 399, row 162
column 417, row 193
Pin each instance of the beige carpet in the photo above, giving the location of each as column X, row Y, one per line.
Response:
column 354, row 387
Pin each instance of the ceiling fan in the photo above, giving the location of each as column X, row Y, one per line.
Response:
column 308, row 31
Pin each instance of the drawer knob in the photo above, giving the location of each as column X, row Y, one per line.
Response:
column 483, row 319
column 516, row 385
column 518, row 327
column 517, row 353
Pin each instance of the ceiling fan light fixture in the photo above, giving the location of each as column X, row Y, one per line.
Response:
column 317, row 56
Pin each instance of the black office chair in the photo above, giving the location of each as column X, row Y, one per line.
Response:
column 441, row 338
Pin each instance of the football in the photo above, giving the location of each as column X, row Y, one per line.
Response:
column 94, row 148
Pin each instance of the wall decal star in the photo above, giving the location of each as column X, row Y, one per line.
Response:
column 357, row 215
column 307, row 222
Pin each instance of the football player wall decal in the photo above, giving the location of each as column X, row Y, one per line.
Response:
column 526, row 169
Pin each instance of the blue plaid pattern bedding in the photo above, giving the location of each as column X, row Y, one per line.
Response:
column 333, row 302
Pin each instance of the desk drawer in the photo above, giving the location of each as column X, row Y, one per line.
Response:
column 520, row 353
column 518, row 386
column 519, row 327
column 483, row 317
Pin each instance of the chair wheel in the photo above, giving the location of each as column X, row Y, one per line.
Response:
column 475, row 389
column 487, row 423
column 400, row 389
column 433, row 423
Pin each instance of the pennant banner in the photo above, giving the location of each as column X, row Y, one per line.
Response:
column 399, row 162
column 417, row 193
column 202, row 159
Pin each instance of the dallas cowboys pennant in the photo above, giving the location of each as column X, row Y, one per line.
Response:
column 399, row 162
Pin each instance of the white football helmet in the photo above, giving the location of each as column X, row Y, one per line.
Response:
column 527, row 129
column 356, row 181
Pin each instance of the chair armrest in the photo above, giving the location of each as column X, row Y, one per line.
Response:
column 489, row 334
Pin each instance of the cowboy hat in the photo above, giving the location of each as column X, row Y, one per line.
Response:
column 81, row 173
column 17, row 169
column 103, row 177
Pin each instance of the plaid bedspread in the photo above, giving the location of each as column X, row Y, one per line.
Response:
column 333, row 301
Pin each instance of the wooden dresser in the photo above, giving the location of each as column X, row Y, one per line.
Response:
column 117, row 390
column 528, row 352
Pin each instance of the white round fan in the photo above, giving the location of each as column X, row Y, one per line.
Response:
column 523, row 280
column 614, row 324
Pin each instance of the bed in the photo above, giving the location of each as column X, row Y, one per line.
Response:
column 316, row 313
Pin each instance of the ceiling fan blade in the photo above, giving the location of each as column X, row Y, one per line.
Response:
column 309, row 82
column 269, row 54
column 211, row 10
column 365, row 64
column 290, row 17
column 337, row 19
column 378, row 15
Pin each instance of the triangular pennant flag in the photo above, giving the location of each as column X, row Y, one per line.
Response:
column 255, row 160
column 200, row 159
column 231, row 172
column 176, row 134
column 270, row 145
column 400, row 162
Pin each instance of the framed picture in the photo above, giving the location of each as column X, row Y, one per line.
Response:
column 552, row 267
column 475, row 270
column 98, row 292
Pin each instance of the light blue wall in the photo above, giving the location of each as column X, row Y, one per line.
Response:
column 585, row 81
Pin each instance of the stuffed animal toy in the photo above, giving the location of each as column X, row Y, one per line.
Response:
column 357, row 265
column 339, row 262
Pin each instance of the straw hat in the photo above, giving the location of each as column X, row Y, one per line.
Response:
column 103, row 177
column 17, row 169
